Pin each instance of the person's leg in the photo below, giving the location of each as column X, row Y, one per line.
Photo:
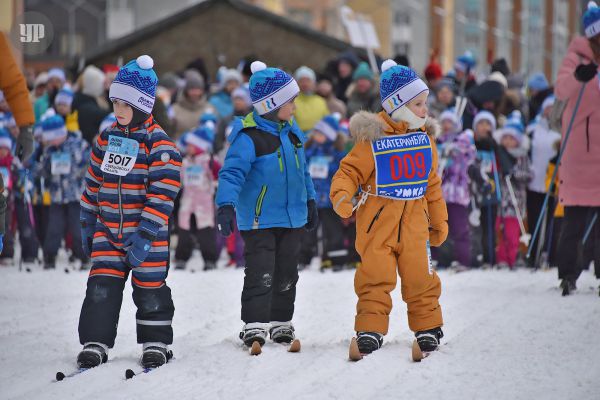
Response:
column 57, row 217
column 535, row 201
column 285, row 277
column 513, row 234
column 152, row 296
column 73, row 224
column 27, row 236
column 259, row 254
column 458, row 223
column 185, row 245
column 207, row 240
column 334, row 249
column 420, row 284
column 569, row 244
column 100, row 310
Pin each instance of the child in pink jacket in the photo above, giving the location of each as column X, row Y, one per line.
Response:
column 196, row 217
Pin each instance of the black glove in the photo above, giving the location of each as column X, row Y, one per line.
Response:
column 313, row 216
column 225, row 217
column 586, row 72
column 24, row 143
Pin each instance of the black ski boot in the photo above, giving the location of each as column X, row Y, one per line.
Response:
column 429, row 340
column 282, row 332
column 368, row 342
column 254, row 332
column 180, row 264
column 567, row 287
column 92, row 355
column 155, row 355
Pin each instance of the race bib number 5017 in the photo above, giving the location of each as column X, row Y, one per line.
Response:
column 120, row 155
column 402, row 165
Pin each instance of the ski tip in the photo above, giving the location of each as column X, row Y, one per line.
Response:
column 354, row 352
column 129, row 374
column 295, row 346
column 255, row 349
column 60, row 376
column 417, row 354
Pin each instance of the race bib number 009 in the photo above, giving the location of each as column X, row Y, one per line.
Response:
column 120, row 155
column 402, row 165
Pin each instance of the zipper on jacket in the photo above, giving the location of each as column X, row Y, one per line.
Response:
column 279, row 159
column 375, row 218
column 120, row 232
column 296, row 155
column 400, row 223
column 258, row 207
column 587, row 133
column 427, row 216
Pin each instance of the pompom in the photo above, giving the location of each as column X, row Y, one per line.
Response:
column 209, row 124
column 591, row 4
column 145, row 62
column 337, row 116
column 257, row 66
column 387, row 64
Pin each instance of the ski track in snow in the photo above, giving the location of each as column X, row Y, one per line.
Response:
column 508, row 335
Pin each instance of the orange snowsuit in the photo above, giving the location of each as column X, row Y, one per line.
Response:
column 392, row 233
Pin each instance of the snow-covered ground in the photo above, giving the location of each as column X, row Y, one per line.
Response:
column 509, row 335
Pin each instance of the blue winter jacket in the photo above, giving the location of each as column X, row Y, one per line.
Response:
column 265, row 176
column 323, row 162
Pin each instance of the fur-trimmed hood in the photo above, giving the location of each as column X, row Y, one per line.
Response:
column 366, row 126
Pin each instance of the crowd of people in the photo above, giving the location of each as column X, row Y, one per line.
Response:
column 499, row 138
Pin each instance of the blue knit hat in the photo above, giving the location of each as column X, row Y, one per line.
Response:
column 53, row 128
column 465, row 61
column 513, row 127
column 329, row 126
column 538, row 82
column 64, row 96
column 398, row 85
column 202, row 138
column 135, row 84
column 591, row 20
column 5, row 139
column 270, row 88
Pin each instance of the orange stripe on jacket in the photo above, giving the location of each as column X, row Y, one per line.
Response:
column 146, row 284
column 107, row 271
column 162, row 164
column 157, row 213
column 109, row 185
column 108, row 253
column 163, row 143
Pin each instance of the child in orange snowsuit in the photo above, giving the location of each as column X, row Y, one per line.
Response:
column 401, row 212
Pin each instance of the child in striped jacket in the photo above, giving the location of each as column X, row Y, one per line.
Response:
column 131, row 183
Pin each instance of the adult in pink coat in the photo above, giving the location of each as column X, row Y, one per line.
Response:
column 579, row 171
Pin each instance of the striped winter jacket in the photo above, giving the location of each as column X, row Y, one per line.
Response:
column 142, row 199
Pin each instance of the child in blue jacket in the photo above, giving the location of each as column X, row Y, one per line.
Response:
column 130, row 185
column 324, row 151
column 265, row 183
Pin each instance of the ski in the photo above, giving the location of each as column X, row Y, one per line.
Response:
column 256, row 348
column 294, row 347
column 61, row 375
column 129, row 373
column 354, row 353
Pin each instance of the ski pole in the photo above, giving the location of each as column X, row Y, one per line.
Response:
column 525, row 237
column 560, row 154
column 589, row 228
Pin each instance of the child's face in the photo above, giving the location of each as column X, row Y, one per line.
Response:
column 418, row 105
column 192, row 150
column 319, row 137
column 445, row 95
column 231, row 85
column 287, row 110
column 63, row 109
column 239, row 104
column 483, row 129
column 447, row 126
column 123, row 112
column 4, row 152
column 509, row 142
